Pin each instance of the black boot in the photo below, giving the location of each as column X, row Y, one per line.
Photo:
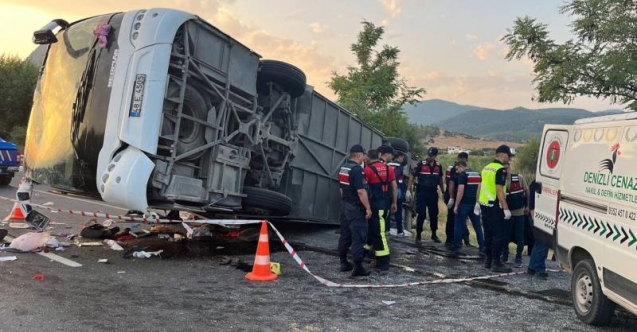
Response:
column 382, row 264
column 435, row 238
column 359, row 270
column 498, row 267
column 346, row 265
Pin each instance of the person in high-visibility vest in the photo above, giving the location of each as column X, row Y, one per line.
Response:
column 383, row 196
column 495, row 210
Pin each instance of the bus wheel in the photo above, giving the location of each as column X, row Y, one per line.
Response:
column 290, row 77
column 266, row 201
column 191, row 133
column 591, row 305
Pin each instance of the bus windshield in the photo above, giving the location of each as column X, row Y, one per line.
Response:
column 59, row 106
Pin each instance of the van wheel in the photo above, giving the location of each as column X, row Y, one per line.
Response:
column 591, row 305
column 291, row 78
column 264, row 201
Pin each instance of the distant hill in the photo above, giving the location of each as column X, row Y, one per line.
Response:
column 518, row 124
column 428, row 112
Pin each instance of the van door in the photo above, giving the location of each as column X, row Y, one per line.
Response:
column 555, row 139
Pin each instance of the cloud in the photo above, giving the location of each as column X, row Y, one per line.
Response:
column 393, row 7
column 317, row 27
column 295, row 15
column 483, row 50
column 470, row 36
column 303, row 54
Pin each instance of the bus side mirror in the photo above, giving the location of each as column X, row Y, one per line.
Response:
column 46, row 35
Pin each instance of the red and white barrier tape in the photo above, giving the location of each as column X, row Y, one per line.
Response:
column 288, row 247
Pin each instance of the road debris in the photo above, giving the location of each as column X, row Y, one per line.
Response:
column 19, row 225
column 114, row 245
column 147, row 254
column 88, row 244
column 389, row 302
column 38, row 276
column 103, row 260
column 7, row 258
column 30, row 241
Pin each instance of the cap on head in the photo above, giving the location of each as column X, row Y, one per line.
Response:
column 433, row 151
column 504, row 149
column 463, row 155
column 357, row 148
column 383, row 149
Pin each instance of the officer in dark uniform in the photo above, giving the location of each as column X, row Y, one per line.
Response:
column 383, row 196
column 451, row 190
column 355, row 211
column 429, row 174
column 398, row 165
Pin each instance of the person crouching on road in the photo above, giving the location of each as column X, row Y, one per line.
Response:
column 465, row 203
column 494, row 208
column 451, row 189
column 399, row 169
column 429, row 174
column 355, row 211
column 383, row 192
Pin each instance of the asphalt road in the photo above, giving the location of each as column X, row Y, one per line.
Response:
column 190, row 291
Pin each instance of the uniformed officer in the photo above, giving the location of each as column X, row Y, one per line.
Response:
column 383, row 197
column 517, row 198
column 464, row 205
column 429, row 174
column 494, row 208
column 451, row 190
column 401, row 182
column 355, row 211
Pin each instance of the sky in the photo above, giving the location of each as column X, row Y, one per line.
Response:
column 450, row 48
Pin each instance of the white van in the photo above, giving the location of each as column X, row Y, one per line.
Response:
column 586, row 209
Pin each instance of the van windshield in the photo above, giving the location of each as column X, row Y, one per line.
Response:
column 60, row 104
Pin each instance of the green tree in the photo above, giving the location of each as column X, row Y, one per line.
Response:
column 600, row 62
column 17, row 83
column 374, row 90
column 525, row 161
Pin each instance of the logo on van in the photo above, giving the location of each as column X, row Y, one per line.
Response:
column 553, row 154
column 609, row 164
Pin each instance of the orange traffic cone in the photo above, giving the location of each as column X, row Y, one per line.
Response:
column 17, row 213
column 261, row 268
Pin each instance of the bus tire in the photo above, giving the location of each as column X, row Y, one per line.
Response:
column 275, row 203
column 291, row 78
column 591, row 305
column 191, row 133
column 398, row 144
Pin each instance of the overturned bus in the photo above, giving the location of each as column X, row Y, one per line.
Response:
column 159, row 109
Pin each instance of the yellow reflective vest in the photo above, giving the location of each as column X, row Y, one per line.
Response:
column 488, row 193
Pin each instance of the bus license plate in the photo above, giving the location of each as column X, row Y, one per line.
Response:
column 138, row 95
